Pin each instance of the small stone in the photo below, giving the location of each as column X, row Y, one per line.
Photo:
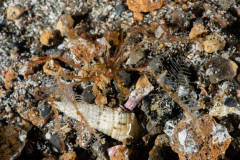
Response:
column 68, row 156
column 9, row 77
column 138, row 16
column 225, row 4
column 55, row 141
column 50, row 158
column 162, row 153
column 48, row 38
column 13, row 12
column 219, row 69
column 230, row 102
column 162, row 140
column 198, row 29
column 88, row 95
column 179, row 18
column 135, row 57
column 214, row 42
column 119, row 9
column 10, row 140
column 64, row 24
column 122, row 152
column 144, row 5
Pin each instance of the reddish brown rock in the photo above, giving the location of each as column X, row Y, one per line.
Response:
column 144, row 5
column 209, row 141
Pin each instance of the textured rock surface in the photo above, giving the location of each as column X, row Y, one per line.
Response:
column 210, row 142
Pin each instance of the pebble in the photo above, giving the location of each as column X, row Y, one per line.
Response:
column 13, row 12
column 230, row 102
column 50, row 158
column 219, row 69
column 48, row 37
column 69, row 156
column 190, row 144
column 10, row 140
column 88, row 95
column 64, row 24
column 214, row 42
column 179, row 18
column 9, row 77
column 119, row 9
column 143, row 5
column 138, row 16
column 198, row 29
column 121, row 152
column 225, row 4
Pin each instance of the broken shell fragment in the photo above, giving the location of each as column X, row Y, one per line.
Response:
column 143, row 87
column 210, row 142
column 219, row 69
column 117, row 124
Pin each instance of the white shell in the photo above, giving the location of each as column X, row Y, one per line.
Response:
column 117, row 124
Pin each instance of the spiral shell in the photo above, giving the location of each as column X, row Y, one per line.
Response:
column 119, row 125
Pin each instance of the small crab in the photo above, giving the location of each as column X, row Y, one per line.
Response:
column 94, row 62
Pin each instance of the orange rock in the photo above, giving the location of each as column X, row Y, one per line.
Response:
column 13, row 12
column 48, row 37
column 138, row 16
column 197, row 30
column 9, row 77
column 68, row 156
column 210, row 141
column 144, row 5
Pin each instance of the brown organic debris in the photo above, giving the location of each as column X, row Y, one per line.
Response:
column 13, row 12
column 211, row 143
column 144, row 5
